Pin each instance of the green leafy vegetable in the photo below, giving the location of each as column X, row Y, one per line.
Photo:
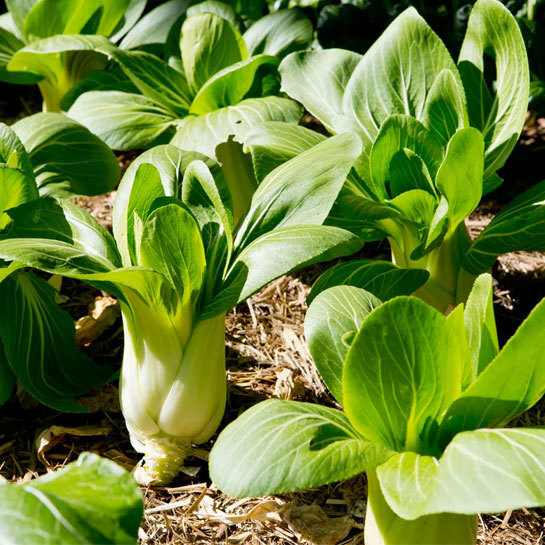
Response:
column 191, row 241
column 428, row 433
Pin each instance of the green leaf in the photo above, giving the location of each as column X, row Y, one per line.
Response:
column 204, row 132
column 49, row 364
column 519, row 226
column 499, row 114
column 480, row 324
column 132, row 15
column 208, row 44
column 404, row 352
column 301, row 191
column 124, row 121
column 381, row 278
column 58, row 147
column 397, row 133
column 15, row 189
column 445, row 109
column 7, row 378
column 460, row 177
column 502, row 470
column 9, row 45
column 279, row 33
column 276, row 253
column 499, row 394
column 172, row 245
column 331, row 323
column 91, row 500
column 408, row 172
column 13, row 153
column 229, row 86
column 395, row 76
column 318, row 79
column 90, row 244
column 155, row 79
column 19, row 10
column 273, row 143
column 217, row 7
column 306, row 446
column 153, row 28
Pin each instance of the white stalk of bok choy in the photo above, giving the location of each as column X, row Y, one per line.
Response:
column 178, row 262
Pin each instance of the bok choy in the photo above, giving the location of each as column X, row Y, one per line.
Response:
column 426, row 401
column 181, row 258
column 434, row 133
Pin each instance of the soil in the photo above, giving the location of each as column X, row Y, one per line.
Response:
column 266, row 356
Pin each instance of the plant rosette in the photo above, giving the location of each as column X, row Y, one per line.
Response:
column 190, row 241
column 426, row 401
column 434, row 133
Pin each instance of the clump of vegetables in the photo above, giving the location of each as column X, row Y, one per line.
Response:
column 426, row 401
column 214, row 82
column 191, row 241
column 434, row 134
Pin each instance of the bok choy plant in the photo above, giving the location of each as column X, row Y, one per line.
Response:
column 426, row 401
column 434, row 133
column 216, row 82
column 51, row 42
column 186, row 250
column 42, row 155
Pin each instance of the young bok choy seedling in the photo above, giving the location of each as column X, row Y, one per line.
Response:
column 178, row 263
column 42, row 155
column 426, row 401
column 216, row 82
column 434, row 134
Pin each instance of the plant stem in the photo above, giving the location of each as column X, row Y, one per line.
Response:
column 384, row 527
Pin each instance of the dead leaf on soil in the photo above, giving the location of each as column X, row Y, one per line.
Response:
column 104, row 312
column 267, row 510
column 55, row 434
column 312, row 523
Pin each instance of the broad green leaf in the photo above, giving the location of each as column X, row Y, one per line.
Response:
column 132, row 15
column 397, row 133
column 9, row 45
column 204, row 132
column 217, row 7
column 49, row 364
column 401, row 373
column 229, row 86
column 19, row 10
column 15, row 189
column 519, row 226
column 58, row 147
column 501, row 391
column 381, row 278
column 395, row 76
column 172, row 245
column 170, row 163
column 301, row 191
column 155, row 79
column 124, row 121
column 66, row 223
column 318, row 79
column 480, row 324
column 331, row 323
column 279, row 33
column 208, row 44
column 499, row 114
column 7, row 378
column 408, row 172
column 460, row 177
column 280, row 446
column 153, row 28
column 445, row 109
column 92, row 500
column 276, row 253
column 502, row 470
column 273, row 143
